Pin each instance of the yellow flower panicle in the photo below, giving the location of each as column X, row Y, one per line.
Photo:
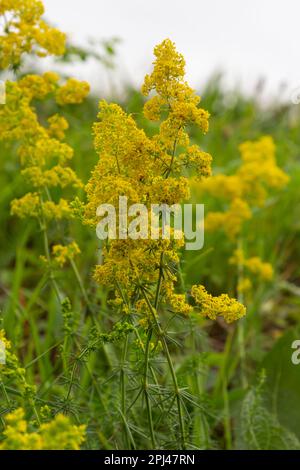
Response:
column 259, row 171
column 231, row 221
column 212, row 307
column 173, row 93
column 43, row 156
column 177, row 101
column 64, row 253
column 254, row 265
column 45, row 159
column 26, row 32
column 58, row 434
column 247, row 188
column 148, row 171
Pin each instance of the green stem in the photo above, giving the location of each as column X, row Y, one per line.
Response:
column 90, row 309
column 163, row 340
column 173, row 154
column 47, row 254
column 146, row 391
column 146, row 363
column 80, row 283
column 160, row 405
column 123, row 387
column 242, row 352
column 241, row 326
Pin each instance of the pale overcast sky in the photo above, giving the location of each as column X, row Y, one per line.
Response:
column 247, row 39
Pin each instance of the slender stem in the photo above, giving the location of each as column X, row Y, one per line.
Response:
column 139, row 339
column 160, row 405
column 241, row 345
column 241, row 326
column 123, row 387
column 84, row 292
column 146, row 363
column 146, row 385
column 90, row 308
column 173, row 154
column 80, row 283
column 177, row 391
column 160, row 278
column 47, row 254
column 163, row 340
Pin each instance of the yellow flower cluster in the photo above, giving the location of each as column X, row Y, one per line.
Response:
column 57, row 126
column 177, row 302
column 212, row 307
column 197, row 159
column 26, row 32
column 72, row 92
column 58, row 434
column 253, row 266
column 43, row 156
column 64, row 253
column 148, row 171
column 245, row 189
column 175, row 99
column 231, row 220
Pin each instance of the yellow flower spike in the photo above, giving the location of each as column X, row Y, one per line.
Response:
column 169, row 67
column 44, row 158
column 149, row 171
column 212, row 307
column 174, row 96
